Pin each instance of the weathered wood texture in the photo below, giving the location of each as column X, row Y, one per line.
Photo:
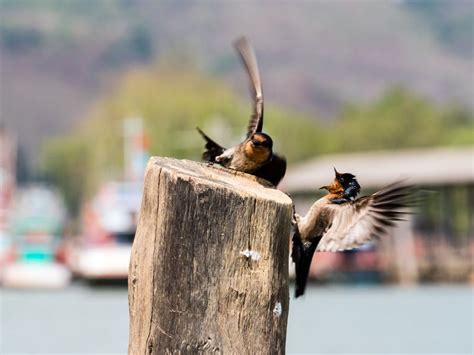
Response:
column 192, row 289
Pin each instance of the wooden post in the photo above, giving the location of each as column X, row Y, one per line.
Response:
column 209, row 265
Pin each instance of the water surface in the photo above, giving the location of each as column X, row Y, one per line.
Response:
column 85, row 320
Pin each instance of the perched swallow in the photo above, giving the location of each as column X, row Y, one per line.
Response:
column 338, row 221
column 255, row 154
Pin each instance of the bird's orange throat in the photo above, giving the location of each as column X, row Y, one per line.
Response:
column 335, row 190
column 257, row 154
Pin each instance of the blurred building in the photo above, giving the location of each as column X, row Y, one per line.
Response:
column 437, row 243
column 8, row 151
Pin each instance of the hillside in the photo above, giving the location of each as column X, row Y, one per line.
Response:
column 58, row 58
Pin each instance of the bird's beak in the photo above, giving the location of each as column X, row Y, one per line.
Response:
column 336, row 172
column 323, row 188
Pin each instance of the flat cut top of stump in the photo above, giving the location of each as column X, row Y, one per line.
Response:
column 244, row 184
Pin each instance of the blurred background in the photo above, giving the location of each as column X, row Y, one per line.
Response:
column 91, row 89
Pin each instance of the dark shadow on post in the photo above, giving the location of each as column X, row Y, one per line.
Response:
column 209, row 264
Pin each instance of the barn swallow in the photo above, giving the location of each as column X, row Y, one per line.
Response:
column 338, row 221
column 344, row 187
column 255, row 154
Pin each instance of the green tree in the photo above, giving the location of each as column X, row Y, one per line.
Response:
column 66, row 164
column 173, row 99
column 400, row 119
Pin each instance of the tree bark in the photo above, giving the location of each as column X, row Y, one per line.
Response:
column 209, row 265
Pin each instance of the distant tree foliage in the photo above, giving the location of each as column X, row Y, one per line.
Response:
column 452, row 22
column 173, row 99
column 20, row 39
column 65, row 164
column 136, row 46
column 400, row 119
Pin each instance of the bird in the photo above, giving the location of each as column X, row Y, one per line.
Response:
column 344, row 185
column 339, row 221
column 255, row 154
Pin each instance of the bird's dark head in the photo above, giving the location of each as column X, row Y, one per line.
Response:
column 349, row 184
column 261, row 140
column 344, row 185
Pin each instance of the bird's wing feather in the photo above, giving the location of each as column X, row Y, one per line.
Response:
column 356, row 223
column 213, row 149
column 274, row 170
column 246, row 52
column 226, row 158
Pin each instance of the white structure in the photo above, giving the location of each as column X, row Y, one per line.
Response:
column 427, row 167
column 448, row 172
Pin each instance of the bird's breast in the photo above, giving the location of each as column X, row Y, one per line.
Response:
column 307, row 223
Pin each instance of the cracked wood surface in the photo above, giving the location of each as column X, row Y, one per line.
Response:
column 209, row 264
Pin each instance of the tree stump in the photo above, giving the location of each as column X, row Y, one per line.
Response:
column 209, row 265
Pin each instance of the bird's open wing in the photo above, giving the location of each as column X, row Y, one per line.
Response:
column 245, row 50
column 355, row 223
column 212, row 148
column 274, row 170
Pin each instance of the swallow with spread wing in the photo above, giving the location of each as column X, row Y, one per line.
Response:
column 338, row 221
column 255, row 154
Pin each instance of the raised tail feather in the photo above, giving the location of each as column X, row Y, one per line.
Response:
column 213, row 149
